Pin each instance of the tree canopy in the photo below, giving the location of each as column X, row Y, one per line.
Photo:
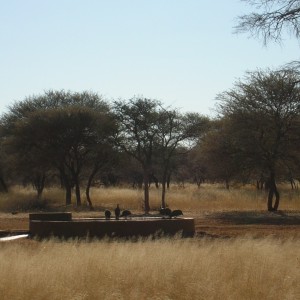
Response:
column 263, row 117
column 57, row 131
column 151, row 133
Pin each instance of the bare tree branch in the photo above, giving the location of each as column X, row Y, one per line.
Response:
column 271, row 19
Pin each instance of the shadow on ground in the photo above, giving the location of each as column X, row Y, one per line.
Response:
column 254, row 217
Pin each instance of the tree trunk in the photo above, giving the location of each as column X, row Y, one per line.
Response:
column 168, row 180
column 198, row 182
column 163, row 195
column 77, row 192
column 40, row 189
column 257, row 185
column 163, row 192
column 3, row 186
column 68, row 188
column 227, row 184
column 277, row 197
column 88, row 187
column 39, row 184
column 293, row 184
column 68, row 193
column 66, row 182
column 146, row 192
column 273, row 191
column 88, row 198
column 154, row 179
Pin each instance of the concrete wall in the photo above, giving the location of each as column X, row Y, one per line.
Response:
column 101, row 228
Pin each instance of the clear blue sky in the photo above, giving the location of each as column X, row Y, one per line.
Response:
column 182, row 52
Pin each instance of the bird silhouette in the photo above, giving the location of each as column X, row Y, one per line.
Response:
column 107, row 214
column 117, row 212
column 125, row 213
column 176, row 213
column 165, row 211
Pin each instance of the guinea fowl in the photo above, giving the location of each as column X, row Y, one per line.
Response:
column 107, row 214
column 125, row 213
column 165, row 211
column 176, row 213
column 117, row 212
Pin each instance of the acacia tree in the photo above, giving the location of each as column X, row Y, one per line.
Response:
column 175, row 131
column 102, row 157
column 197, row 166
column 271, row 18
column 3, row 170
column 217, row 154
column 263, row 113
column 58, row 130
column 26, row 164
column 152, row 134
column 68, row 139
column 137, row 120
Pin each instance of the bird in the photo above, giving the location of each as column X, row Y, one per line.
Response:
column 117, row 212
column 107, row 214
column 176, row 213
column 125, row 213
column 165, row 211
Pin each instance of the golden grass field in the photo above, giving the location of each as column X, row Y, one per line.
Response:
column 151, row 269
column 258, row 258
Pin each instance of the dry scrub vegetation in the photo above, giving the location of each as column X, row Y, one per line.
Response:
column 189, row 199
column 199, row 268
column 151, row 269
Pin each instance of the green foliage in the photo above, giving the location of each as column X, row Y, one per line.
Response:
column 57, row 132
column 262, row 124
column 152, row 135
column 263, row 117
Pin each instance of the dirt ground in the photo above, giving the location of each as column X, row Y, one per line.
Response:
column 282, row 224
column 257, row 224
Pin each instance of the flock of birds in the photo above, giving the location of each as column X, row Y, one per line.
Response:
column 125, row 213
column 165, row 212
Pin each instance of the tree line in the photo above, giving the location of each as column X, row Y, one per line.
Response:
column 76, row 140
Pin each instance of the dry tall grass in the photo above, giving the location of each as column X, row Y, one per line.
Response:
column 206, row 198
column 159, row 269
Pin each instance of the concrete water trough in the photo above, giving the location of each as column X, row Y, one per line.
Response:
column 44, row 225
